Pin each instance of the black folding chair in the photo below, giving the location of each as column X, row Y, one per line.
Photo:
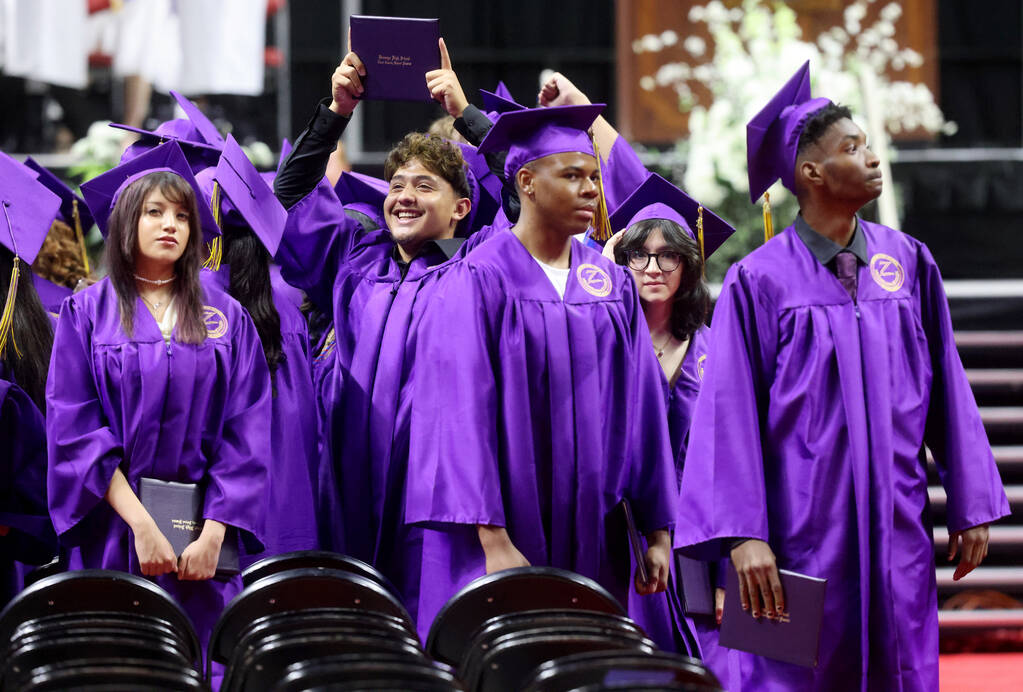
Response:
column 294, row 591
column 261, row 667
column 304, row 559
column 124, row 674
column 622, row 670
column 510, row 591
column 509, row 665
column 369, row 669
column 96, row 591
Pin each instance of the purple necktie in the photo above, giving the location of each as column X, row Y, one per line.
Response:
column 845, row 269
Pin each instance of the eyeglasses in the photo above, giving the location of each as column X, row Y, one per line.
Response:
column 667, row 261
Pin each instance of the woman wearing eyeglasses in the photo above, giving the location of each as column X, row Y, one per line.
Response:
column 666, row 237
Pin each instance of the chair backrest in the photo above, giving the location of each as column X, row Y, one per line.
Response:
column 511, row 591
column 369, row 669
column 113, row 676
column 296, row 590
column 28, row 657
column 302, row 559
column 545, row 619
column 622, row 670
column 509, row 665
column 261, row 668
column 96, row 590
column 337, row 619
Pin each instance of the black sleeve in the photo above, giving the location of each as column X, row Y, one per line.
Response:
column 474, row 125
column 307, row 162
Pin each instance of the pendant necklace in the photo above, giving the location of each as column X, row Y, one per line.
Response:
column 660, row 351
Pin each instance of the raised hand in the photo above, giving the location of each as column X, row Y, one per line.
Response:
column 346, row 82
column 444, row 85
column 560, row 91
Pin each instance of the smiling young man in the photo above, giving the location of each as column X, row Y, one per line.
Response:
column 542, row 406
column 373, row 282
column 833, row 364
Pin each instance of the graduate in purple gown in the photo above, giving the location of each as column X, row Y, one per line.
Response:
column 372, row 282
column 665, row 239
column 541, row 408
column 252, row 228
column 153, row 376
column 833, row 364
column 26, row 337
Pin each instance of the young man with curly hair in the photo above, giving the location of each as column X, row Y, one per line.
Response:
column 373, row 282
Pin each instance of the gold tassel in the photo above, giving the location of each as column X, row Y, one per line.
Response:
column 699, row 237
column 216, row 246
column 768, row 221
column 601, row 223
column 7, row 318
column 80, row 235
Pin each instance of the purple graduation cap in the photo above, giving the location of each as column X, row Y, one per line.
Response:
column 66, row 194
column 197, row 135
column 29, row 208
column 657, row 198
column 244, row 199
column 499, row 101
column 772, row 136
column 101, row 193
column 485, row 187
column 364, row 194
column 533, row 133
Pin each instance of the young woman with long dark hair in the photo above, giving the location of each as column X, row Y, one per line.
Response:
column 155, row 378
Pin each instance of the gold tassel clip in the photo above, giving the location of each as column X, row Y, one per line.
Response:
column 80, row 235
column 216, row 246
column 601, row 222
column 699, row 238
column 768, row 221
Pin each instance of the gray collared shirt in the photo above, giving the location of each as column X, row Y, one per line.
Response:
column 824, row 248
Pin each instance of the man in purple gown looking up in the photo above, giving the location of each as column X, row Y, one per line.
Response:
column 834, row 364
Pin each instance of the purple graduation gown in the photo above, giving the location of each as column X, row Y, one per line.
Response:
column 536, row 414
column 177, row 412
column 327, row 385
column 354, row 276
column 809, row 434
column 30, row 538
column 291, row 517
column 51, row 295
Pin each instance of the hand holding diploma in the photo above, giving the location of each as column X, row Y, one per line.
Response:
column 759, row 584
column 346, row 83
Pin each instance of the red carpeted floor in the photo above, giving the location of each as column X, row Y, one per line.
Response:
column 981, row 672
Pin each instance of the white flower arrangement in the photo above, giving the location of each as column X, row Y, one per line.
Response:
column 754, row 48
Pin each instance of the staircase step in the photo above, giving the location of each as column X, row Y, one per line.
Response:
column 999, row 578
column 1004, row 424
column 990, row 349
column 998, row 537
column 963, row 620
column 996, row 386
column 939, row 499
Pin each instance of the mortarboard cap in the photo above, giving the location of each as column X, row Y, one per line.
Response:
column 243, row 197
column 102, row 192
column 364, row 194
column 657, row 198
column 66, row 194
column 207, row 131
column 29, row 207
column 532, row 133
column 772, row 136
column 199, row 154
column 499, row 101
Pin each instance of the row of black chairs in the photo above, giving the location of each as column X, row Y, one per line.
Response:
column 97, row 630
column 545, row 629
column 316, row 620
column 321, row 621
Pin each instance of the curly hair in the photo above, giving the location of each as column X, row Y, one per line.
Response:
column 123, row 243
column 60, row 259
column 818, row 123
column 436, row 154
column 691, row 303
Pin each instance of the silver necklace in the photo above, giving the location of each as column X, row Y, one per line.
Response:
column 155, row 306
column 155, row 282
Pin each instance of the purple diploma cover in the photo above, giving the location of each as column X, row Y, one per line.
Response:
column 794, row 637
column 397, row 53
column 177, row 510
